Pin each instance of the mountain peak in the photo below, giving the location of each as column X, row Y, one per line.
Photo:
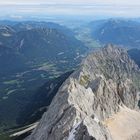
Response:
column 110, row 47
column 105, row 86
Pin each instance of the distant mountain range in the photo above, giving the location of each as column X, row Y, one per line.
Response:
column 36, row 41
column 116, row 31
column 30, row 54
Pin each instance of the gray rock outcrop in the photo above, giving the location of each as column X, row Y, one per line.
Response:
column 107, row 81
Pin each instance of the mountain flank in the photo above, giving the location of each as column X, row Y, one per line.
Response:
column 99, row 101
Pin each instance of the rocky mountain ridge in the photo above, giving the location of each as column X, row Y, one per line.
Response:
column 93, row 101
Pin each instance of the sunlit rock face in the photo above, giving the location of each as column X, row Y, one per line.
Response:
column 91, row 102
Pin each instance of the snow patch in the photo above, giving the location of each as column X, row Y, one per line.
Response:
column 60, row 53
column 96, row 119
column 73, row 131
column 6, row 34
column 21, row 43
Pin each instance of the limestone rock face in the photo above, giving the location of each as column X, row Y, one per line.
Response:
column 107, row 81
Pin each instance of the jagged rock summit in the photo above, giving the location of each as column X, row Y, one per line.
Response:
column 99, row 101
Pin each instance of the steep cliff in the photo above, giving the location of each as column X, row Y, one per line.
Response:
column 97, row 102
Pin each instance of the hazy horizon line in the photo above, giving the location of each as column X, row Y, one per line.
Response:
column 70, row 9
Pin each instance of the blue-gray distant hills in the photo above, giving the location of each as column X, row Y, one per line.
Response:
column 35, row 41
column 30, row 54
column 116, row 31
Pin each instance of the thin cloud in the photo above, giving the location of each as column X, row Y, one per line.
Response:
column 104, row 2
column 92, row 7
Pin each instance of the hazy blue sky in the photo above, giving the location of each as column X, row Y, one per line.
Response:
column 119, row 2
column 118, row 8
